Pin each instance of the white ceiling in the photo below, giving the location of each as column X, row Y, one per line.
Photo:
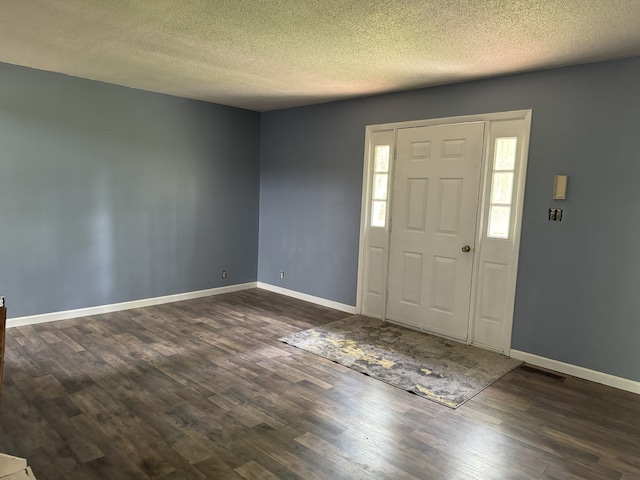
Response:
column 270, row 54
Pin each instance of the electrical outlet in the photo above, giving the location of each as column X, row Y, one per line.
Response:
column 281, row 274
column 224, row 274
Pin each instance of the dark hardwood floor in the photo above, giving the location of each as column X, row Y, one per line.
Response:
column 203, row 390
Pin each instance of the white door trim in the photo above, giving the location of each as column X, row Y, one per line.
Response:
column 517, row 206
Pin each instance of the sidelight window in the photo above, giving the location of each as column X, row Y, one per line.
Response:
column 503, row 174
column 380, row 195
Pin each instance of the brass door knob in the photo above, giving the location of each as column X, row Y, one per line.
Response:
column 466, row 249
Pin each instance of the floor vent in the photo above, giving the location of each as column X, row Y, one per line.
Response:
column 544, row 373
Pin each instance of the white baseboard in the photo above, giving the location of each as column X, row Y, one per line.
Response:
column 308, row 298
column 116, row 307
column 576, row 371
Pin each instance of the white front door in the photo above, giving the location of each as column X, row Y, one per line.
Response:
column 434, row 209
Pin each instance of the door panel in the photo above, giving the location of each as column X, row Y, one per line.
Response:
column 412, row 279
column 443, row 284
column 434, row 210
column 449, row 205
column 375, row 260
column 417, row 189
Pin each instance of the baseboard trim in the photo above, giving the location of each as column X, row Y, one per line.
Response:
column 308, row 298
column 576, row 371
column 116, row 307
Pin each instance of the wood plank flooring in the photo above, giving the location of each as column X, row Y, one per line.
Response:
column 203, row 390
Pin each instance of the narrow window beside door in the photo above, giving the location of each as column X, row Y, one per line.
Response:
column 503, row 172
column 380, row 186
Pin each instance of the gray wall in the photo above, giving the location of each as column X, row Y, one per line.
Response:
column 109, row 194
column 578, row 291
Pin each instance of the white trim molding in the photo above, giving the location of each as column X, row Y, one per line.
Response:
column 308, row 298
column 116, row 307
column 576, row 371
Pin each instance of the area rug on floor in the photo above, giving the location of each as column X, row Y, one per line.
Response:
column 435, row 368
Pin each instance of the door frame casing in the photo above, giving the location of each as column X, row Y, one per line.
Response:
column 517, row 207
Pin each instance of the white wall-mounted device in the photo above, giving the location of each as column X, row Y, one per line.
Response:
column 559, row 187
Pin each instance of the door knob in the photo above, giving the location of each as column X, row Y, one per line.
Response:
column 466, row 249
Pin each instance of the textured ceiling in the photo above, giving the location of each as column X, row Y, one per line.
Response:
column 269, row 54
